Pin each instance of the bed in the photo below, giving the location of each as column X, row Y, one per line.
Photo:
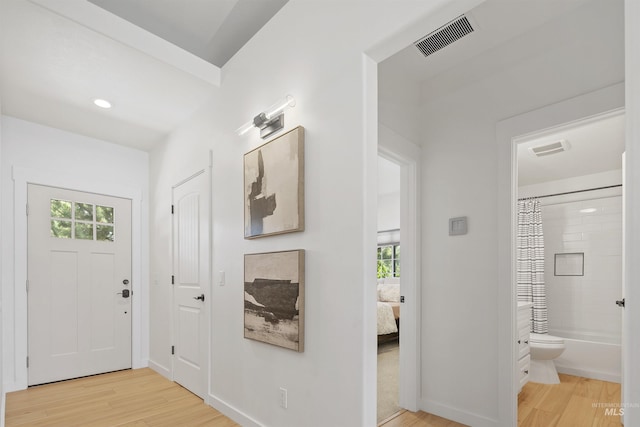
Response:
column 388, row 310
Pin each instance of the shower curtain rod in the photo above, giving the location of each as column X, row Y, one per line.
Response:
column 571, row 192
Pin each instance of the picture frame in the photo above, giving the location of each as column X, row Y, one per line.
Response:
column 569, row 264
column 274, row 298
column 274, row 186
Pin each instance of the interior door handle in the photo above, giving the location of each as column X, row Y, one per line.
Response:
column 200, row 297
column 125, row 293
column 620, row 303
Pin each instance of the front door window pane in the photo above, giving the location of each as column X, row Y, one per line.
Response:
column 60, row 229
column 104, row 214
column 78, row 220
column 104, row 233
column 60, row 209
column 84, row 211
column 84, row 231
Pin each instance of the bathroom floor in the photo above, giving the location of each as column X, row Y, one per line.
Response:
column 576, row 401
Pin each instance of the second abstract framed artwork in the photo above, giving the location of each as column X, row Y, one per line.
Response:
column 274, row 298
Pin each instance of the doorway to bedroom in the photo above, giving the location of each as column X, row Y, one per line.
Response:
column 388, row 288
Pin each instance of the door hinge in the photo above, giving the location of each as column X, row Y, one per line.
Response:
column 173, row 279
column 27, row 285
column 173, row 349
column 27, row 361
column 172, row 209
column 27, row 209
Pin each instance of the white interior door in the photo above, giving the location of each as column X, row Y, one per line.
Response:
column 191, row 283
column 79, row 290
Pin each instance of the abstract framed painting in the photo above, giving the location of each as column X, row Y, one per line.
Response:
column 274, row 298
column 274, row 186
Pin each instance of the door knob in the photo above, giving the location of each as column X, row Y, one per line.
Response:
column 200, row 297
column 620, row 303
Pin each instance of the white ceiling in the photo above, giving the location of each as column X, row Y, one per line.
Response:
column 495, row 23
column 211, row 30
column 57, row 56
column 594, row 146
column 502, row 38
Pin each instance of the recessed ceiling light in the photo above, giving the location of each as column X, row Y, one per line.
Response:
column 102, row 103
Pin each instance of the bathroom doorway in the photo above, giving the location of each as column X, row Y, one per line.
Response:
column 574, row 172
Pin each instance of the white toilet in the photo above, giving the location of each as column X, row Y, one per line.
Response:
column 544, row 348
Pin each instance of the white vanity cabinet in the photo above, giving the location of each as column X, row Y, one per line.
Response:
column 524, row 359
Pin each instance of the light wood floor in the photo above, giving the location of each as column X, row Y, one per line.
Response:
column 418, row 419
column 568, row 404
column 576, row 401
column 144, row 398
column 139, row 397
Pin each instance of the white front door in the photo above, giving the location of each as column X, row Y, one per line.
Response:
column 191, row 283
column 79, row 289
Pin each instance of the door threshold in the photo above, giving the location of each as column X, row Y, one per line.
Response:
column 397, row 414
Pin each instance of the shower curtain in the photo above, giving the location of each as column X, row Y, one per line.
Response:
column 530, row 266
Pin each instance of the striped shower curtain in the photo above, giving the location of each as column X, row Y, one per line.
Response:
column 530, row 266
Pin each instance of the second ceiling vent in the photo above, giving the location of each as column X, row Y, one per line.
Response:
column 551, row 148
column 444, row 36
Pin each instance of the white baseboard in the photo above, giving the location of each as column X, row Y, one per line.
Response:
column 458, row 415
column 235, row 414
column 11, row 386
column 587, row 373
column 142, row 363
column 213, row 401
column 162, row 370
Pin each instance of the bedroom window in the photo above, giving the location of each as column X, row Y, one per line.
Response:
column 388, row 261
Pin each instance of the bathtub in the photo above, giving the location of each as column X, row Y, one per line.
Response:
column 590, row 359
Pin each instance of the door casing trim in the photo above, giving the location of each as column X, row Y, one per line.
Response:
column 15, row 321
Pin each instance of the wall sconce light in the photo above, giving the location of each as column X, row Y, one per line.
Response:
column 270, row 120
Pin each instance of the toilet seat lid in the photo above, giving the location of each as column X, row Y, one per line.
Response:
column 545, row 339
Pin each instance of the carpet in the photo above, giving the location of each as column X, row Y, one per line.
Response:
column 388, row 371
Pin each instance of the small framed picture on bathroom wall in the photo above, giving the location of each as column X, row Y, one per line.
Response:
column 570, row 264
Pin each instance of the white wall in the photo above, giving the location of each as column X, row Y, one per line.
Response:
column 76, row 162
column 319, row 61
column 388, row 194
column 389, row 211
column 2, row 390
column 462, row 176
column 631, row 318
column 581, row 307
column 578, row 183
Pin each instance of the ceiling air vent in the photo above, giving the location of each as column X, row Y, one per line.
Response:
column 552, row 148
column 444, row 36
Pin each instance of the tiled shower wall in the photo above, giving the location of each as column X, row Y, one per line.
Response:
column 583, row 307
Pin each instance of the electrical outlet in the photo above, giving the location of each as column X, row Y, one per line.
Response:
column 283, row 398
